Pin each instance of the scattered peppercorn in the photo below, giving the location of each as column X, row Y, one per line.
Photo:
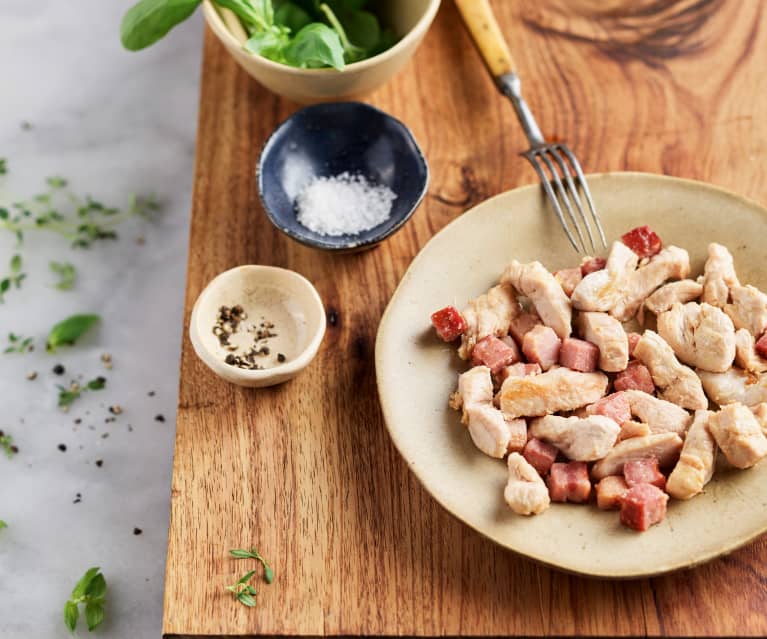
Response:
column 78, row 498
column 63, row 448
column 59, row 369
column 106, row 358
column 32, row 376
column 116, row 409
column 137, row 531
column 151, row 393
column 159, row 418
column 78, row 421
column 281, row 358
column 99, row 462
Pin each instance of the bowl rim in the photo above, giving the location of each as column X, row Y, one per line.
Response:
column 330, row 245
column 285, row 371
column 214, row 20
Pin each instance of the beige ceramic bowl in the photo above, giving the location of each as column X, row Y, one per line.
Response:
column 266, row 293
column 410, row 19
column 416, row 373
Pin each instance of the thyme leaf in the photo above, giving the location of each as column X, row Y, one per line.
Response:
column 19, row 344
column 67, row 274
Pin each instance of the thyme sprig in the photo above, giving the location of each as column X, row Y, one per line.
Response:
column 81, row 220
column 19, row 344
column 67, row 274
column 242, row 590
column 68, row 395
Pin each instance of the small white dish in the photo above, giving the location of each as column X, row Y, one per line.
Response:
column 268, row 295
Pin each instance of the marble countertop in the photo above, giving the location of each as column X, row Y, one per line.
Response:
column 113, row 123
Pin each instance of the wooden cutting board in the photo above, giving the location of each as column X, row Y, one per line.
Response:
column 305, row 471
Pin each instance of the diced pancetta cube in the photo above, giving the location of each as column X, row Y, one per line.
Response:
column 631, row 429
column 644, row 471
column 449, row 323
column 493, row 353
column 761, row 346
column 610, row 491
column 615, row 406
column 541, row 345
column 539, row 455
column 568, row 279
column 642, row 506
column 643, row 241
column 579, row 355
column 636, row 377
column 633, row 341
column 591, row 264
column 522, row 324
column 569, row 482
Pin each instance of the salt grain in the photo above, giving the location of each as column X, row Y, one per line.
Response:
column 343, row 204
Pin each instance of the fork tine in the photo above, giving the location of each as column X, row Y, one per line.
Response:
column 584, row 185
column 554, row 151
column 542, row 153
column 531, row 156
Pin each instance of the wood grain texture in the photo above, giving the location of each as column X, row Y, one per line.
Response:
column 306, row 471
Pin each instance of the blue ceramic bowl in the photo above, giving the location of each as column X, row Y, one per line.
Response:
column 330, row 139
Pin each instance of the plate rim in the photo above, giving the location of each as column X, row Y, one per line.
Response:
column 398, row 444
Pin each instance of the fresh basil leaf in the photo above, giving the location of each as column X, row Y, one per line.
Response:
column 82, row 586
column 292, row 16
column 71, row 615
column 269, row 44
column 246, row 577
column 246, row 599
column 255, row 13
column 148, row 21
column 97, row 588
column 70, row 330
column 315, row 46
column 94, row 614
column 361, row 27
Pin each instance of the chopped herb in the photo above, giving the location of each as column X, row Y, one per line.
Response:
column 67, row 396
column 70, row 330
column 91, row 592
column 19, row 344
column 3, row 166
column 6, row 443
column 3, row 524
column 67, row 274
column 15, row 278
column 239, row 553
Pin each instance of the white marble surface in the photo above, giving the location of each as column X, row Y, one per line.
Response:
column 113, row 123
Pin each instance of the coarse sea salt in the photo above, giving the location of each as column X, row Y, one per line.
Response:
column 343, row 204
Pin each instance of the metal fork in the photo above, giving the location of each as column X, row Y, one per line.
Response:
column 556, row 165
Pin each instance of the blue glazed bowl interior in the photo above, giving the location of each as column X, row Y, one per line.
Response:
column 328, row 140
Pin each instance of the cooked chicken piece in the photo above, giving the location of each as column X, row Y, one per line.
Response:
column 669, row 294
column 672, row 263
column 580, row 439
column 760, row 412
column 748, row 309
column 696, row 462
column 664, row 447
column 700, row 334
column 661, row 416
column 488, row 314
column 600, row 290
column 568, row 279
column 489, row 431
column 675, row 382
column 739, row 435
column 718, row 276
column 735, row 385
column 746, row 356
column 525, row 492
column 547, row 296
column 608, row 335
column 631, row 429
column 555, row 390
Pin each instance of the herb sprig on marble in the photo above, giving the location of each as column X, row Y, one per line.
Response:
column 90, row 592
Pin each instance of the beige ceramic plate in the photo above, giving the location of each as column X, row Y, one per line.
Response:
column 416, row 373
